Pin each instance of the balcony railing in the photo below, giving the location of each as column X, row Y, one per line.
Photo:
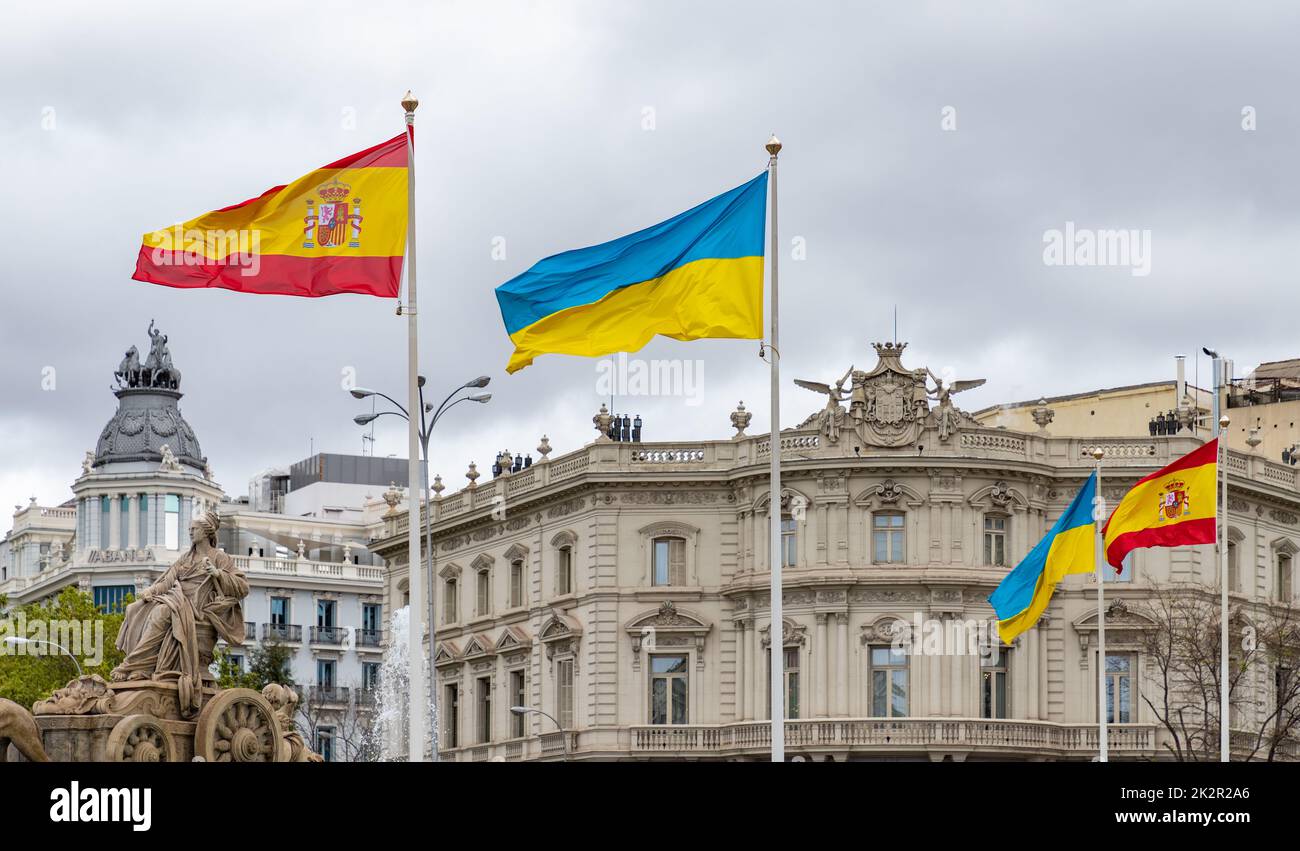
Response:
column 329, row 694
column 369, row 637
column 992, row 735
column 281, row 632
column 344, row 571
column 328, row 634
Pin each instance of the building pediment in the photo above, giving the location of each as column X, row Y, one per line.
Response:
column 447, row 653
column 478, row 645
column 512, row 640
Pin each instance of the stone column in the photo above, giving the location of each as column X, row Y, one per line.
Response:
column 742, row 697
column 115, row 541
column 842, row 664
column 821, row 668
column 133, row 523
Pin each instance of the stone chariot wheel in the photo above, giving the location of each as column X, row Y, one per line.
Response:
column 237, row 725
column 140, row 738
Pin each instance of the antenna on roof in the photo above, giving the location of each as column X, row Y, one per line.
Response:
column 895, row 323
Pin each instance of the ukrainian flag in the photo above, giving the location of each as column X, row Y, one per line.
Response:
column 696, row 275
column 1071, row 547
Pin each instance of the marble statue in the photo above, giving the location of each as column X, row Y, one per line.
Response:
column 831, row 419
column 170, row 631
column 946, row 415
column 19, row 728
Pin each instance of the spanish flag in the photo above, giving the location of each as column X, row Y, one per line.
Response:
column 696, row 275
column 1070, row 547
column 1172, row 507
column 338, row 229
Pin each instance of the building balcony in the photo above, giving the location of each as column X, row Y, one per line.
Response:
column 329, row 635
column 286, row 633
column 370, row 640
column 998, row 738
column 340, row 572
column 326, row 695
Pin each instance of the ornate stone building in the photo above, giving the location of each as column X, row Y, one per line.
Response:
column 622, row 589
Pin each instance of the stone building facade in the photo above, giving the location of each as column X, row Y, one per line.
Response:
column 622, row 589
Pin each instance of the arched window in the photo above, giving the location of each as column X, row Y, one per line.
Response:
column 450, row 599
column 1234, row 570
column 483, row 592
column 1284, row 584
column 564, row 570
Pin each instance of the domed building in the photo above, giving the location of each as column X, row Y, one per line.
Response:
column 622, row 590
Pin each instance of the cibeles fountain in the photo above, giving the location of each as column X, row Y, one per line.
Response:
column 162, row 703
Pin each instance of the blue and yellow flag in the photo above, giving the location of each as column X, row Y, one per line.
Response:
column 696, row 275
column 1071, row 547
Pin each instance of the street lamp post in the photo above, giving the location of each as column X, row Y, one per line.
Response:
column 13, row 640
column 564, row 737
column 426, row 425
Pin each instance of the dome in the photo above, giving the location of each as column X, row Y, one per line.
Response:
column 146, row 420
column 147, row 417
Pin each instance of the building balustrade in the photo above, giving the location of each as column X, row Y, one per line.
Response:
column 345, row 571
column 281, row 632
column 329, row 634
column 328, row 694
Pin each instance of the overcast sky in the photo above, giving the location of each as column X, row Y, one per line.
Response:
column 557, row 125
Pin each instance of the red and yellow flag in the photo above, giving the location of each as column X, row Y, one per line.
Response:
column 1172, row 507
column 339, row 229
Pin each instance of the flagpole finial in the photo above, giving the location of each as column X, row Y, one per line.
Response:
column 1098, row 453
column 773, row 145
column 410, row 102
column 1223, row 422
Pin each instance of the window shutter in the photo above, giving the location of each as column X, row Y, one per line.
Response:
column 677, row 562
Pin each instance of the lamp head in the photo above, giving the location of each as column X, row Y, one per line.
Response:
column 364, row 419
column 481, row 381
column 361, row 392
column 1210, row 352
column 479, row 397
column 520, row 710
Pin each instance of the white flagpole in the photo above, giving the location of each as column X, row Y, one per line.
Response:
column 1225, row 745
column 1103, row 745
column 416, row 696
column 776, row 649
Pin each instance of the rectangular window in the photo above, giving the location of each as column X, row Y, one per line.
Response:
column 105, row 522
column 1284, row 577
column 995, row 540
column 124, row 523
column 370, row 676
column 888, row 683
column 791, row 689
column 325, row 743
column 484, row 594
column 669, row 561
column 325, row 674
column 1233, row 570
column 143, row 512
column 371, row 617
column 451, row 715
column 111, row 598
column 1125, row 573
column 669, row 677
column 564, row 693
column 520, row 698
column 887, row 538
column 993, row 683
column 564, row 578
column 450, row 603
column 516, row 583
column 280, row 611
column 325, row 613
column 789, row 542
column 237, row 662
column 484, row 687
column 1119, row 688
column 172, row 524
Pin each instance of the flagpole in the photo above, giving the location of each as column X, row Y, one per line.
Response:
column 776, row 649
column 416, row 697
column 1103, row 748
column 1221, row 528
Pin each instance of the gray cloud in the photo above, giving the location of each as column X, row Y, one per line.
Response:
column 530, row 128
